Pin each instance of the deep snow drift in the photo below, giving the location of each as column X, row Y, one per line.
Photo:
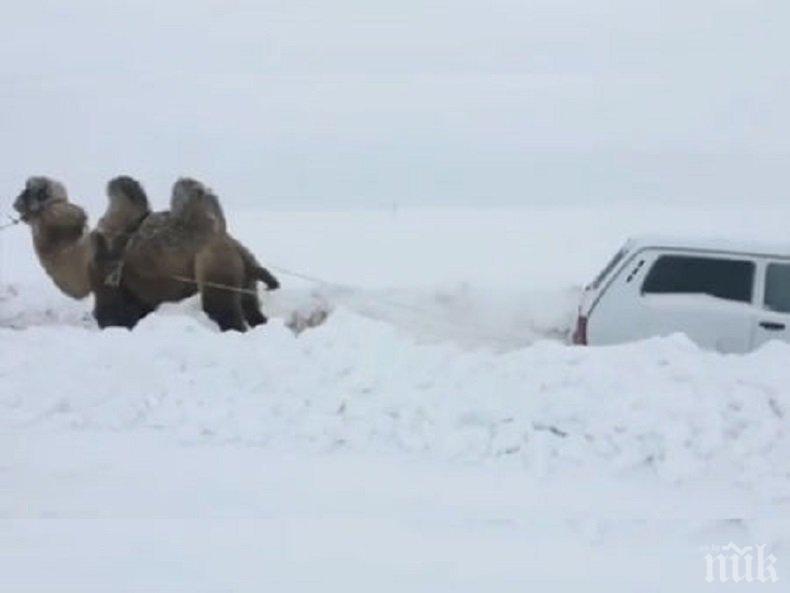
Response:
column 351, row 455
column 662, row 406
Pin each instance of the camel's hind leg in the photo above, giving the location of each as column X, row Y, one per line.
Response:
column 223, row 307
column 220, row 274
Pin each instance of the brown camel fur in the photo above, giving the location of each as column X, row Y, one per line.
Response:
column 171, row 255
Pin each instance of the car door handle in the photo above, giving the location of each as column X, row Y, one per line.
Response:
column 772, row 325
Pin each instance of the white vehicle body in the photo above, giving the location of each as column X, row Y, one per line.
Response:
column 724, row 295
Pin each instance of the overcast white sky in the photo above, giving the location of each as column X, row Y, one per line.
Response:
column 336, row 103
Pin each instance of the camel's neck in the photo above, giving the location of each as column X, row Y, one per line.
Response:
column 65, row 258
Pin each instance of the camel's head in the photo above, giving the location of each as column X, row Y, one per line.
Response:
column 39, row 193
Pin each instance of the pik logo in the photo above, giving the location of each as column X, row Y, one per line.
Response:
column 731, row 564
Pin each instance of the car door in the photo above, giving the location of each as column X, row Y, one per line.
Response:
column 709, row 297
column 773, row 321
column 658, row 292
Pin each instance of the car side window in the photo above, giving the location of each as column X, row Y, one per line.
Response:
column 777, row 288
column 729, row 279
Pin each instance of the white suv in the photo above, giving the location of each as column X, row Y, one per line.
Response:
column 725, row 296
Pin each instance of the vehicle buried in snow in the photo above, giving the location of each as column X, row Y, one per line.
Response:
column 724, row 295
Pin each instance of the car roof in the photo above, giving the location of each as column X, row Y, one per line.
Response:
column 716, row 244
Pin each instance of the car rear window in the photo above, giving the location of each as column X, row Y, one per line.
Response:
column 729, row 279
column 777, row 288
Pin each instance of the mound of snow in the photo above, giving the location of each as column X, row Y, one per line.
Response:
column 661, row 406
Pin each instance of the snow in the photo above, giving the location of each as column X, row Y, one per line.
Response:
column 435, row 433
column 231, row 518
column 357, row 384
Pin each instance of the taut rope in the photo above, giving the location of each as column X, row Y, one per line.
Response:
column 477, row 331
column 216, row 285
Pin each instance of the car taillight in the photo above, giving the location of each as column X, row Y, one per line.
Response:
column 580, row 333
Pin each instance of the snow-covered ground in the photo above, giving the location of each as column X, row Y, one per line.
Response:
column 436, row 433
